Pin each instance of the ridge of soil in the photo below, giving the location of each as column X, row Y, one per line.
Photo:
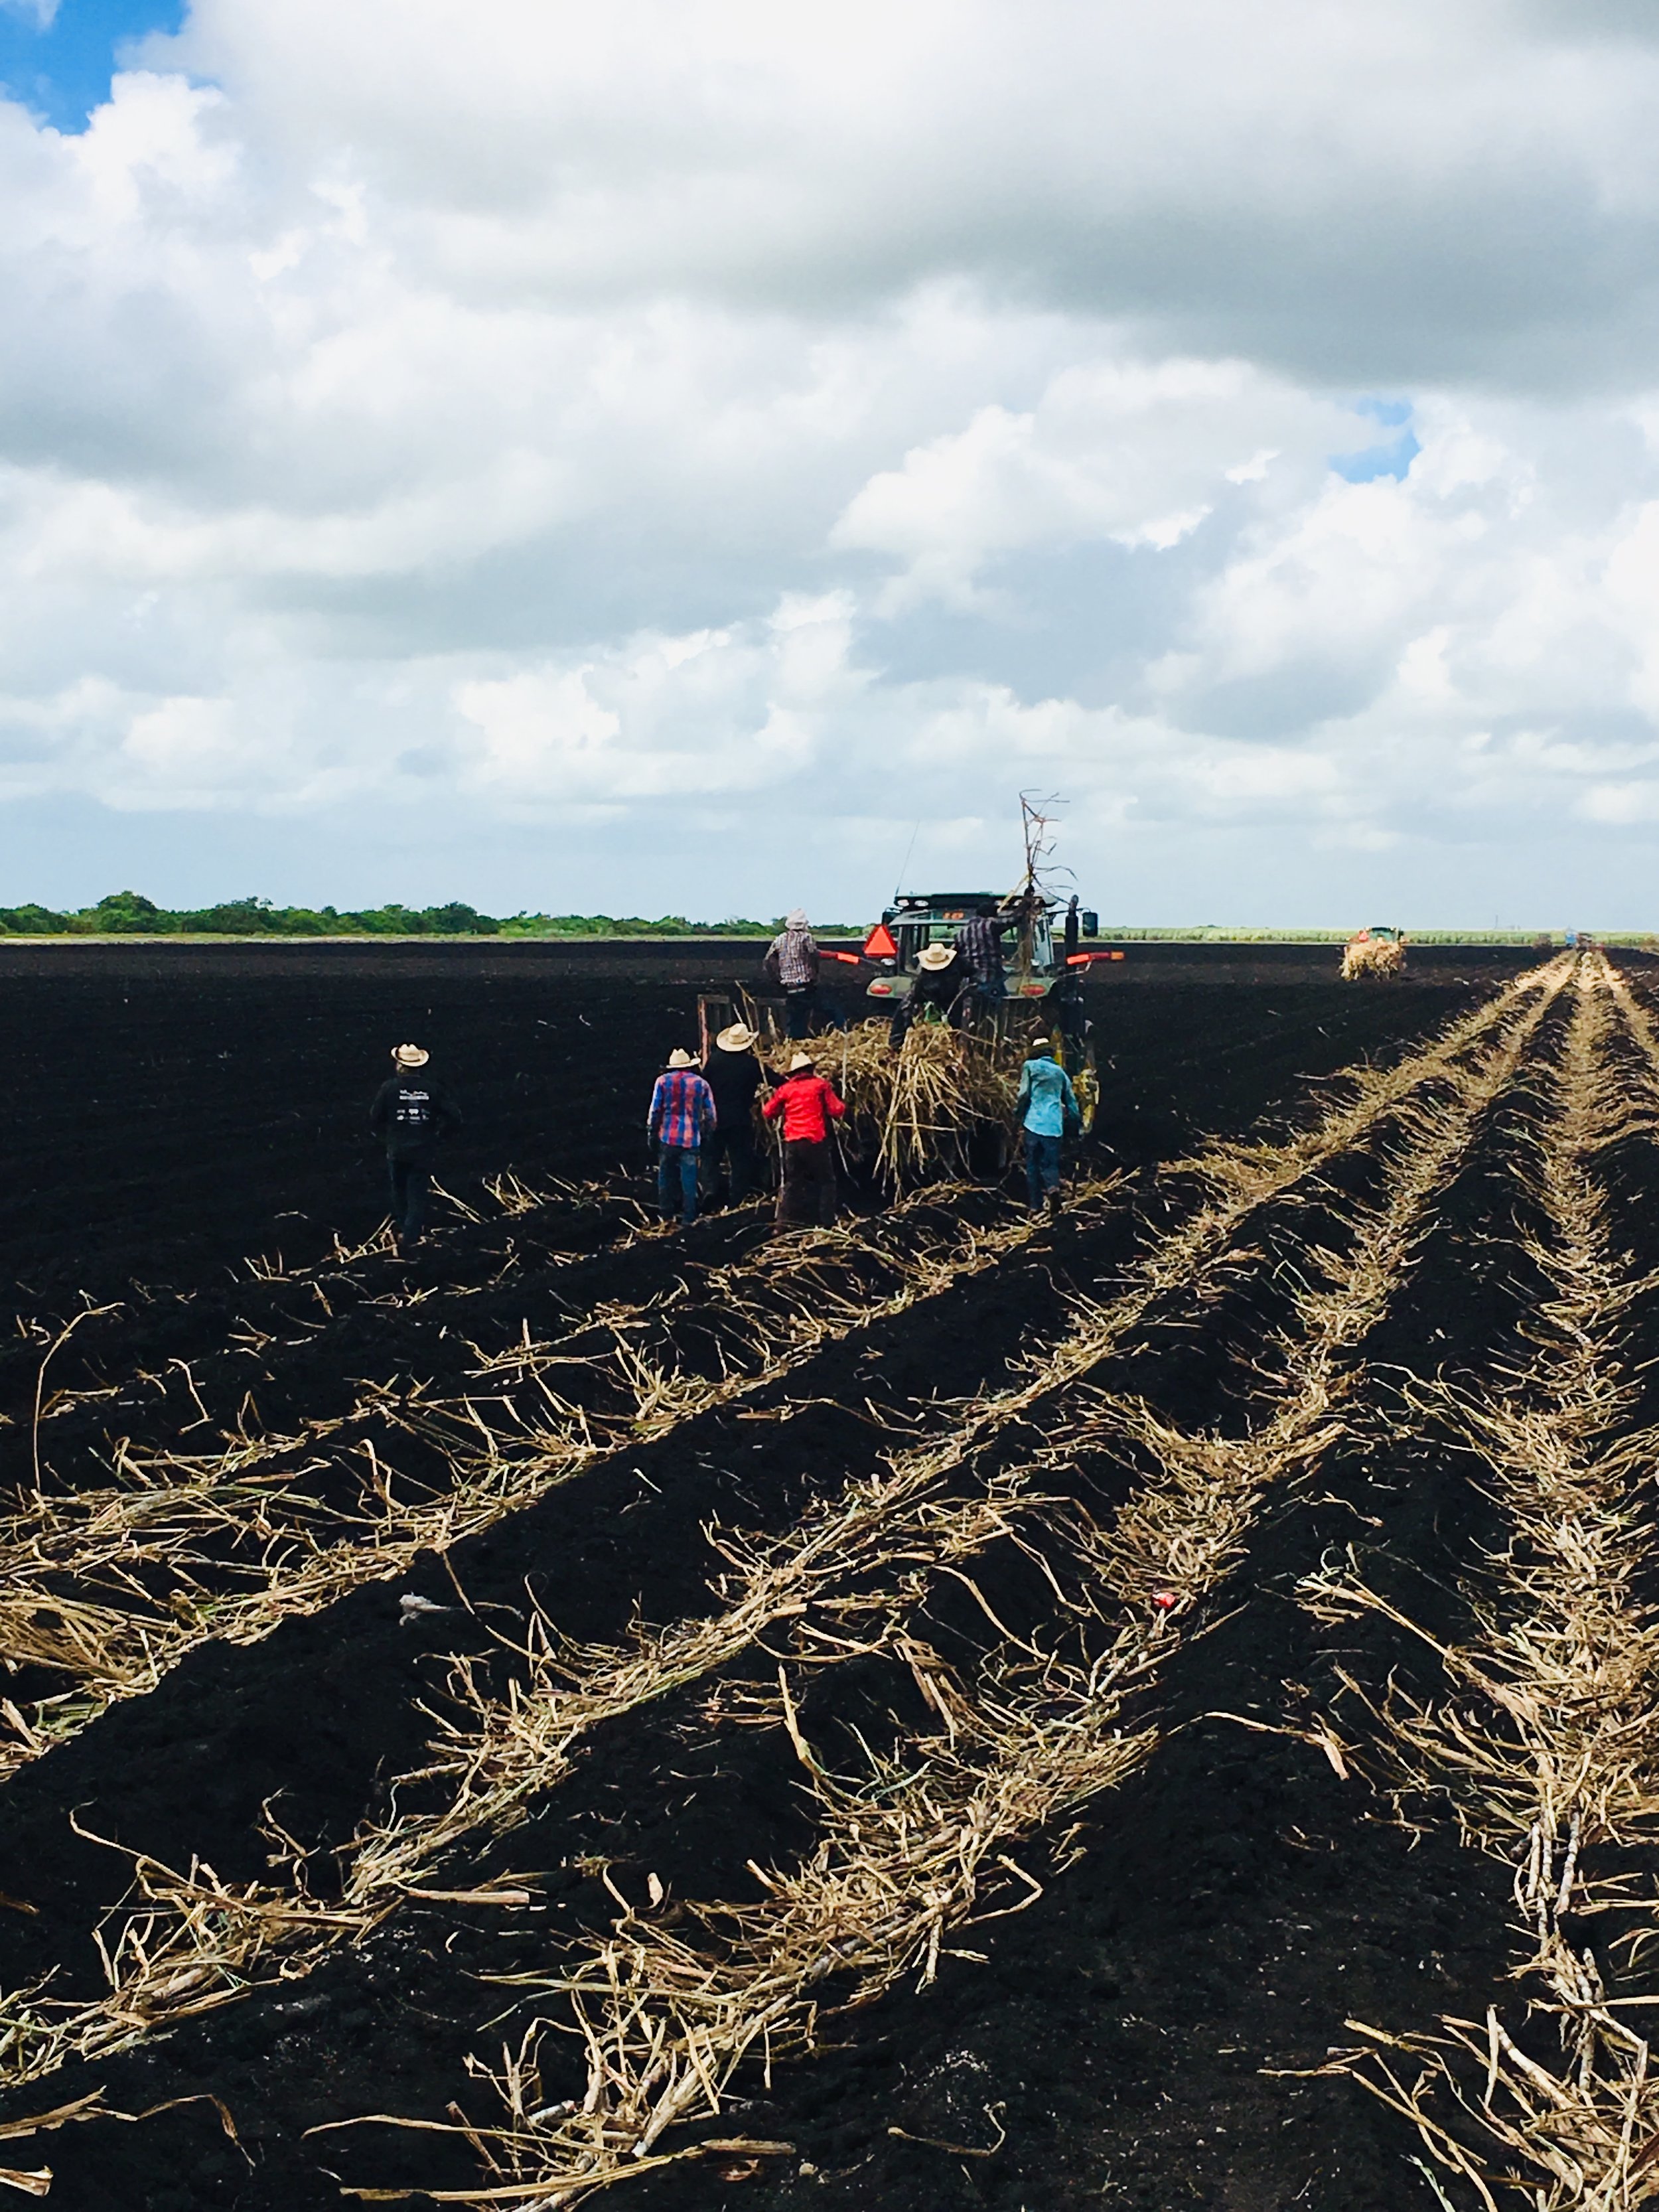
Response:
column 1236, row 1899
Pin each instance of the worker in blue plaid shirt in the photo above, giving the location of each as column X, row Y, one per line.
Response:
column 681, row 1114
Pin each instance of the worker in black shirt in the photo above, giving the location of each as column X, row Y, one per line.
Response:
column 411, row 1111
column 935, row 989
column 733, row 1074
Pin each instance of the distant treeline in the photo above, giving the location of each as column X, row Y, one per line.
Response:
column 129, row 914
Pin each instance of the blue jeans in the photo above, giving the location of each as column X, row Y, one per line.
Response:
column 677, row 1163
column 1042, row 1166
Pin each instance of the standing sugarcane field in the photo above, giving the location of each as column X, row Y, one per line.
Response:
column 1142, row 1695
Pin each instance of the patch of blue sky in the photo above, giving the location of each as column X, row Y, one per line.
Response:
column 1390, row 457
column 58, row 57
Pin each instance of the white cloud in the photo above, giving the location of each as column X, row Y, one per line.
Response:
column 716, row 437
column 1114, row 449
column 717, row 713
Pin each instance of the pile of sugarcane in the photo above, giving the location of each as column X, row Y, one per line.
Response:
column 1365, row 955
column 913, row 1112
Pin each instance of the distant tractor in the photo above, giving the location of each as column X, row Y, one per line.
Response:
column 1374, row 951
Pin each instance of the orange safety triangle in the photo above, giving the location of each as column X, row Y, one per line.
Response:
column 879, row 946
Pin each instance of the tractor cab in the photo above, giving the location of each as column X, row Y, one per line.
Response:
column 1036, row 960
column 1044, row 970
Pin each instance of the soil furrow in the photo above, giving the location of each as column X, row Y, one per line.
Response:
column 822, row 1431
column 1540, row 1739
column 664, row 2021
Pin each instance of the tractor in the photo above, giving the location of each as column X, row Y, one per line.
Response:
column 1041, row 1004
column 1045, row 966
column 1374, row 951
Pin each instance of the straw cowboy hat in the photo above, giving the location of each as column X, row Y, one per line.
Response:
column 679, row 1059
column 933, row 957
column 409, row 1055
column 735, row 1038
column 802, row 1061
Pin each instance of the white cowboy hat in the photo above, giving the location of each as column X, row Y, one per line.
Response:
column 679, row 1059
column 736, row 1037
column 409, row 1055
column 933, row 957
column 801, row 1060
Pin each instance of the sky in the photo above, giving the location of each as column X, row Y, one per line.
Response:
column 699, row 456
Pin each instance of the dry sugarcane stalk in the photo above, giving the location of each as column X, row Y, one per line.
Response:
column 194, row 1942
column 1243, row 1178
column 513, row 1749
column 308, row 1553
column 184, row 1944
column 1095, row 1329
column 527, row 1744
column 666, row 2022
column 914, row 1111
column 1206, row 1495
column 1547, row 1737
column 906, row 1858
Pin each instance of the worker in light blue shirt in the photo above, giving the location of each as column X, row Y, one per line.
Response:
column 1048, row 1108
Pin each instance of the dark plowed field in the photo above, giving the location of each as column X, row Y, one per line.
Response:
column 956, row 1711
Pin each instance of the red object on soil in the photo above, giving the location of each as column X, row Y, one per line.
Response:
column 1164, row 1599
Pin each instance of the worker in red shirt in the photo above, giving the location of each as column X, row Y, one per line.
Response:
column 806, row 1191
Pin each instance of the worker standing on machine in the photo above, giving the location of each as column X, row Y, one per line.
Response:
column 935, row 987
column 806, row 1190
column 1047, row 1107
column 791, row 963
column 733, row 1074
column 681, row 1114
column 979, row 956
column 411, row 1111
